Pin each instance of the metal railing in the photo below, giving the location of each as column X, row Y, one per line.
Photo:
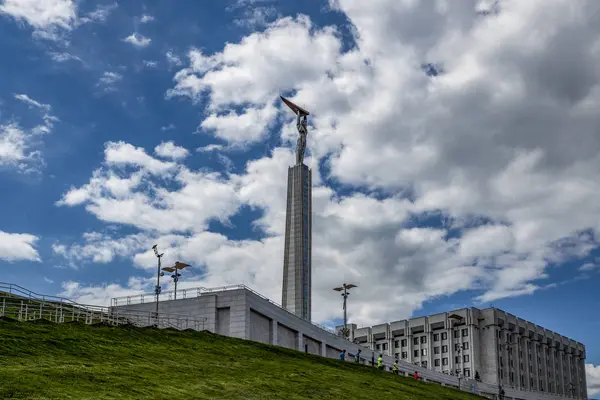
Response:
column 198, row 292
column 30, row 309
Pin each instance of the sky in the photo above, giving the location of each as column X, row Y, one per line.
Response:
column 455, row 150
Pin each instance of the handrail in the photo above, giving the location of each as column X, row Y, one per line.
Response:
column 12, row 288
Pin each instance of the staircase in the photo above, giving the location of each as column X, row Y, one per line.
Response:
column 21, row 304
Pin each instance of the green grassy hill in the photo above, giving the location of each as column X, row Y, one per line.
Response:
column 42, row 360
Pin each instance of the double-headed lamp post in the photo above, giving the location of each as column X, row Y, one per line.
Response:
column 344, row 289
column 176, row 268
column 158, row 275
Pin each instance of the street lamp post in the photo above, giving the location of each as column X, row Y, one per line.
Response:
column 457, row 319
column 158, row 275
column 344, row 288
column 175, row 269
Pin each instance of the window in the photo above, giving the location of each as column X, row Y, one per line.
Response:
column 436, row 362
column 467, row 372
column 436, row 337
column 424, row 364
column 444, row 349
column 378, row 347
column 444, row 361
column 385, row 346
column 465, row 345
column 404, row 355
column 444, row 335
column 456, row 334
column 423, row 339
column 436, row 350
column 396, row 343
column 416, row 353
column 466, row 358
column 457, row 359
column 456, row 346
column 416, row 340
column 423, row 352
column 457, row 372
column 403, row 342
column 465, row 332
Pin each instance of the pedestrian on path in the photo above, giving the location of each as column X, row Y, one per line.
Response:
column 343, row 355
column 395, row 367
column 357, row 357
column 380, row 362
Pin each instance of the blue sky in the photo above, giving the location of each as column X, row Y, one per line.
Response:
column 124, row 124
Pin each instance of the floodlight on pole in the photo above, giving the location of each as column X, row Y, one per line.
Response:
column 157, row 289
column 344, row 288
column 175, row 270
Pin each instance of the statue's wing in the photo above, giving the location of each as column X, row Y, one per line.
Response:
column 296, row 109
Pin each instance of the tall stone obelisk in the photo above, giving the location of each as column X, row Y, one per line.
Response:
column 297, row 274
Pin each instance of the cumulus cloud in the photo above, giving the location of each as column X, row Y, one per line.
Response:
column 502, row 145
column 138, row 40
column 592, row 373
column 18, row 247
column 48, row 18
column 170, row 150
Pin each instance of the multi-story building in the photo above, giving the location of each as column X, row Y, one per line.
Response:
column 489, row 345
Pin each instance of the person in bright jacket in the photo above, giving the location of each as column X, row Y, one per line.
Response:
column 395, row 367
column 357, row 356
column 342, row 355
column 416, row 376
column 380, row 362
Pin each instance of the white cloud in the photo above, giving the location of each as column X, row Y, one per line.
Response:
column 592, row 373
column 249, row 126
column 169, row 127
column 146, row 18
column 108, row 80
column 18, row 247
column 172, row 59
column 483, row 141
column 138, row 40
column 589, row 267
column 48, row 18
column 210, row 147
column 48, row 280
column 100, row 14
column 64, row 56
column 19, row 147
column 170, row 150
column 28, row 100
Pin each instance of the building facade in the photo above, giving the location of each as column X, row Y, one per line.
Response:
column 488, row 344
column 297, row 257
column 239, row 312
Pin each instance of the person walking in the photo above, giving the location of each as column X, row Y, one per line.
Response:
column 342, row 356
column 416, row 376
column 357, row 357
column 380, row 362
column 395, row 367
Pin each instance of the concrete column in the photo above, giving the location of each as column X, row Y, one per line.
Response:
column 300, row 342
column 410, row 347
column 274, row 340
column 323, row 349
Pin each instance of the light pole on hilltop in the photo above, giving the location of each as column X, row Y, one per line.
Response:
column 158, row 275
column 457, row 319
column 175, row 269
column 344, row 289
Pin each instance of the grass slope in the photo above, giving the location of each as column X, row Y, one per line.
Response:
column 42, row 360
